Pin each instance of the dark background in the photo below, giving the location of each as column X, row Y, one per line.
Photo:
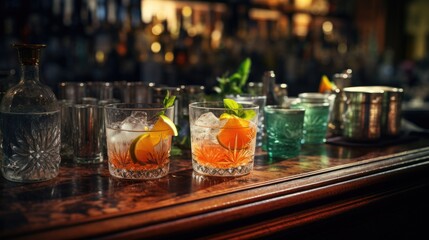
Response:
column 383, row 42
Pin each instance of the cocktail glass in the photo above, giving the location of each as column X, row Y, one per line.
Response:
column 259, row 100
column 317, row 111
column 284, row 131
column 222, row 143
column 139, row 140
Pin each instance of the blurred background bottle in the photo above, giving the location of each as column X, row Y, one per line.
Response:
column 269, row 84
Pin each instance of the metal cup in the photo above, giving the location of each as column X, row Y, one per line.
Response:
column 391, row 110
column 362, row 117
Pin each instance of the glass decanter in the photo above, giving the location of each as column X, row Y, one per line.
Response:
column 30, row 124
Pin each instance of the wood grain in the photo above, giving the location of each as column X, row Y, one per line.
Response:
column 325, row 180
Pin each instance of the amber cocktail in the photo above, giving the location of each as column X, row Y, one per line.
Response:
column 223, row 137
column 139, row 140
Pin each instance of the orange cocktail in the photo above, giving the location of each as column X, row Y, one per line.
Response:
column 223, row 139
column 138, row 140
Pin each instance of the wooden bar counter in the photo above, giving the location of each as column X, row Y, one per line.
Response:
column 330, row 191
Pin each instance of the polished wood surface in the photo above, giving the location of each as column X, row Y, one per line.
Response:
column 278, row 197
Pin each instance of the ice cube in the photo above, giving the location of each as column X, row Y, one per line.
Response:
column 206, row 127
column 136, row 122
column 208, row 120
column 142, row 116
column 116, row 125
column 120, row 140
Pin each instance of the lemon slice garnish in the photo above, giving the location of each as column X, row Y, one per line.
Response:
column 165, row 125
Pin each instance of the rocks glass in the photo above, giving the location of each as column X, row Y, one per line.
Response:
column 222, row 144
column 317, row 111
column 284, row 127
column 138, row 140
column 260, row 101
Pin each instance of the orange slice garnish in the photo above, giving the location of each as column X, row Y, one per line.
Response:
column 166, row 125
column 142, row 148
column 325, row 85
column 237, row 133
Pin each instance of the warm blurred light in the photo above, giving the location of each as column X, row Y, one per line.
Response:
column 320, row 7
column 162, row 10
column 303, row 4
column 121, row 48
column 263, row 14
column 157, row 29
column 193, row 59
column 161, row 15
column 216, row 36
column 327, row 27
column 99, row 56
column 342, row 48
column 169, row 57
column 155, row 47
column 186, row 11
column 192, row 31
column 301, row 22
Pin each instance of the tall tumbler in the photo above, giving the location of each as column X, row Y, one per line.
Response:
column 66, row 107
column 87, row 134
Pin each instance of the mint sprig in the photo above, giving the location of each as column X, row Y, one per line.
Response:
column 167, row 102
column 234, row 83
column 235, row 108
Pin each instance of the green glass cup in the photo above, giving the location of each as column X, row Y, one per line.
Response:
column 284, row 127
column 316, row 119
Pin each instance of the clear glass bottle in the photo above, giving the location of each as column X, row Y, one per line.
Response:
column 30, row 124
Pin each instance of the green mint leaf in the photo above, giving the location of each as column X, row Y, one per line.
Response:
column 167, row 96
column 217, row 89
column 244, row 70
column 222, row 80
column 248, row 114
column 232, row 105
column 237, row 89
column 233, row 84
column 236, row 78
column 169, row 102
column 237, row 109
